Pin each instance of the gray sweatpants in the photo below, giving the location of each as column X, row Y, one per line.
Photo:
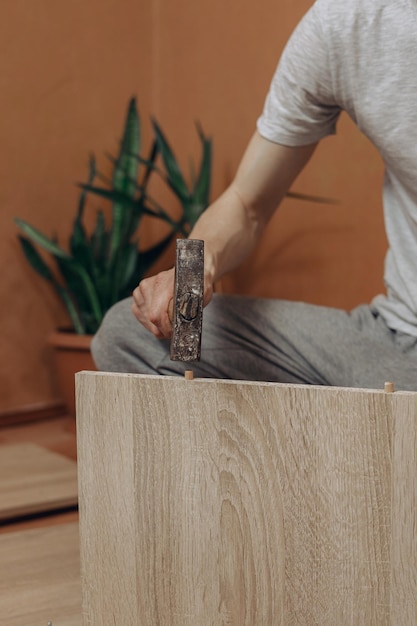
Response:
column 269, row 340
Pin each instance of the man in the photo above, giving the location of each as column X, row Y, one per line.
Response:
column 359, row 56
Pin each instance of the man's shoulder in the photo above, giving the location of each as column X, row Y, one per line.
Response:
column 334, row 9
column 345, row 18
column 337, row 8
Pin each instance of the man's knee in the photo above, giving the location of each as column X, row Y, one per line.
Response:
column 111, row 335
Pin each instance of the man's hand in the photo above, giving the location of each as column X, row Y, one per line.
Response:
column 153, row 301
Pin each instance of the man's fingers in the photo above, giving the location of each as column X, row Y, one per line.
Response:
column 171, row 310
column 150, row 304
column 160, row 327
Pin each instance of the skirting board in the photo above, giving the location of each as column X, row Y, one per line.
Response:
column 32, row 413
column 211, row 502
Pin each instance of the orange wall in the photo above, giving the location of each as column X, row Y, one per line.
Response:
column 66, row 73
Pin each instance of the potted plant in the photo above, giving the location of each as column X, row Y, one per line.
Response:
column 97, row 269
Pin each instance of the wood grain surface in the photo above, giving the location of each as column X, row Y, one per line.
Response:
column 212, row 503
column 34, row 480
column 40, row 577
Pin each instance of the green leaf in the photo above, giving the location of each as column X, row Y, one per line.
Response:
column 99, row 239
column 144, row 261
column 117, row 196
column 126, row 170
column 124, row 181
column 79, row 327
column 79, row 244
column 123, row 271
column 175, row 178
column 41, row 239
column 82, row 284
column 35, row 260
column 161, row 213
column 150, row 164
column 130, row 255
column 133, row 181
column 39, row 265
column 75, row 286
column 151, row 255
column 83, row 194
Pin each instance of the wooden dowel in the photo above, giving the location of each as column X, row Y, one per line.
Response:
column 188, row 374
column 389, row 387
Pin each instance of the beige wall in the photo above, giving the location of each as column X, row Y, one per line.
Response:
column 67, row 70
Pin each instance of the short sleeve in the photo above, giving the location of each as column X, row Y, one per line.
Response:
column 300, row 107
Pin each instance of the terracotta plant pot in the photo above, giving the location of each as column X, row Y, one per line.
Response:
column 71, row 355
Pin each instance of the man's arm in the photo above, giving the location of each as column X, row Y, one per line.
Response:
column 231, row 227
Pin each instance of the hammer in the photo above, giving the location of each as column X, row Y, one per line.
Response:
column 188, row 301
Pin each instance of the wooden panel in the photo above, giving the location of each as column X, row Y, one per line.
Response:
column 245, row 503
column 40, row 577
column 114, row 542
column 33, row 480
column 404, row 514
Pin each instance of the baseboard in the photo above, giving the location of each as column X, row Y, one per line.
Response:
column 32, row 413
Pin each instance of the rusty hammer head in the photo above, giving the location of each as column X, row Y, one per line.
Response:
column 188, row 300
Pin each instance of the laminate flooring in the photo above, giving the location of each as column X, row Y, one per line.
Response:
column 57, row 435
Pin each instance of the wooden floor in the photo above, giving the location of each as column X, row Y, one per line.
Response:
column 57, row 435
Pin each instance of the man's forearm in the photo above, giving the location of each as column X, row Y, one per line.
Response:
column 232, row 226
column 230, row 232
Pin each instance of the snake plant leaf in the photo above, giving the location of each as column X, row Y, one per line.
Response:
column 130, row 254
column 200, row 184
column 136, row 217
column 123, row 272
column 135, row 185
column 82, row 247
column 119, row 197
column 81, row 283
column 75, row 317
column 79, row 245
column 150, row 164
column 34, row 259
column 75, row 286
column 175, row 178
column 39, row 265
column 132, row 222
column 125, row 175
column 177, row 226
column 149, row 256
column 99, row 239
column 104, row 286
column 126, row 170
column 103, row 178
column 91, row 291
column 35, row 235
column 145, row 260
column 83, row 195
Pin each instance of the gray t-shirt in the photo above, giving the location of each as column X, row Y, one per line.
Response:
column 360, row 56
